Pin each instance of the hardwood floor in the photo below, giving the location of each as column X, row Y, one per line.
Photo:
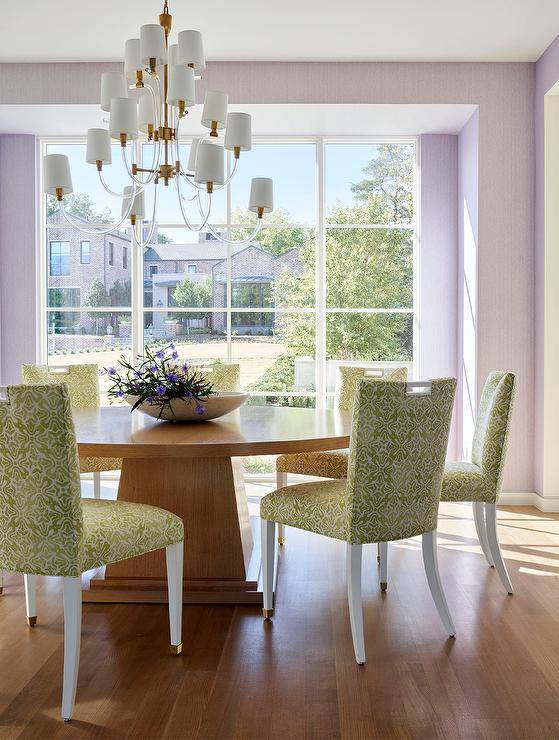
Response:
column 296, row 677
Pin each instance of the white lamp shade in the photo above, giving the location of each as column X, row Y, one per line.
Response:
column 261, row 194
column 113, row 85
column 210, row 159
column 181, row 86
column 98, row 146
column 145, row 112
column 173, row 56
column 152, row 43
column 123, row 118
column 138, row 207
column 132, row 59
column 56, row 174
column 238, row 132
column 215, row 109
column 191, row 50
column 191, row 167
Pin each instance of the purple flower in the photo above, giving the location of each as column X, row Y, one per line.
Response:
column 200, row 409
column 137, row 373
column 160, row 355
column 171, row 346
column 188, row 394
column 172, row 377
column 149, row 399
column 175, row 355
column 111, row 371
column 160, row 390
column 184, row 367
column 153, row 368
column 120, row 394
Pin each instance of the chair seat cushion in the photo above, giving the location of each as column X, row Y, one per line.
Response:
column 99, row 464
column 331, row 464
column 464, row 481
column 316, row 507
column 117, row 530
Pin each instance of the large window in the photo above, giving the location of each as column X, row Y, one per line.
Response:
column 329, row 280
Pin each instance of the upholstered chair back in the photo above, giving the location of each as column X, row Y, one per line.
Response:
column 396, row 460
column 82, row 381
column 224, row 376
column 347, row 380
column 492, row 427
column 40, row 510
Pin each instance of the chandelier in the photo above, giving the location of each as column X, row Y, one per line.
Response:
column 151, row 98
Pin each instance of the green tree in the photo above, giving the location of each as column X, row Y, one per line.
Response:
column 81, row 205
column 190, row 294
column 163, row 238
column 120, row 294
column 97, row 296
column 282, row 237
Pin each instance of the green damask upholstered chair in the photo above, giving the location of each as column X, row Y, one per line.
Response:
column 479, row 481
column 47, row 529
column 83, row 388
column 225, row 376
column 332, row 464
column 396, row 461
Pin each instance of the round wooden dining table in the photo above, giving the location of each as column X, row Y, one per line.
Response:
column 194, row 470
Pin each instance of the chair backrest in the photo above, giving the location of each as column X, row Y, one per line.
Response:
column 492, row 427
column 82, row 381
column 396, row 461
column 40, row 510
column 349, row 376
column 223, row 375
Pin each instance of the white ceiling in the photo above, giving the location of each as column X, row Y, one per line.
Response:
column 355, row 30
column 267, row 120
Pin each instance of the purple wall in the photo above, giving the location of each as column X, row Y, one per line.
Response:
column 438, row 261
column 504, row 93
column 547, row 74
column 18, row 247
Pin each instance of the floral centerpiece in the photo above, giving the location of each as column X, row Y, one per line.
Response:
column 158, row 380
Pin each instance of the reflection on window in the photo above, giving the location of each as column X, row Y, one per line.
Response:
column 64, row 297
column 59, row 259
column 85, row 252
column 251, row 293
column 111, row 253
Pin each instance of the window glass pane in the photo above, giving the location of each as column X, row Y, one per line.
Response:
column 369, row 268
column 90, row 201
column 275, row 350
column 282, row 259
column 198, row 336
column 79, row 337
column 85, row 252
column 367, row 183
column 365, row 336
column 98, row 283
column 293, row 169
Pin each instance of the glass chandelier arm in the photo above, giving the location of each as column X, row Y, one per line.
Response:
column 142, row 184
column 106, row 187
column 186, row 220
column 219, row 236
column 143, row 243
column 104, row 230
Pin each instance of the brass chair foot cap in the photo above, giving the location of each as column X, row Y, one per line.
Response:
column 383, row 585
column 1, row 590
column 281, row 541
column 31, row 621
column 176, row 649
column 66, row 719
column 267, row 613
column 378, row 559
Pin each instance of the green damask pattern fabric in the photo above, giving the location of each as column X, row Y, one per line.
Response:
column 224, row 376
column 396, row 463
column 333, row 464
column 83, row 388
column 45, row 527
column 481, row 479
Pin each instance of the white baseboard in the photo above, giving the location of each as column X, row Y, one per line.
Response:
column 548, row 504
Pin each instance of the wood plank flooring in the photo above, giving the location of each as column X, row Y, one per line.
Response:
column 296, row 677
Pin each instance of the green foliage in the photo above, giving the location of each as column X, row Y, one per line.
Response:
column 120, row 294
column 163, row 239
column 82, row 205
column 282, row 238
column 279, row 377
column 190, row 294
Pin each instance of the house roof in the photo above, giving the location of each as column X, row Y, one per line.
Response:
column 210, row 250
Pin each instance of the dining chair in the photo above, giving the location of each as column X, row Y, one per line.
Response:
column 224, row 376
column 479, row 481
column 47, row 529
column 396, row 460
column 331, row 464
column 83, row 389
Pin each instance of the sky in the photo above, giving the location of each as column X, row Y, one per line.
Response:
column 292, row 167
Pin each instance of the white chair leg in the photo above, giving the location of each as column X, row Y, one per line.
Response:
column 491, row 523
column 96, row 485
column 383, row 555
column 30, row 585
column 354, row 600
column 481, row 530
column 281, row 481
column 268, row 532
column 72, row 591
column 174, row 557
column 430, row 561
